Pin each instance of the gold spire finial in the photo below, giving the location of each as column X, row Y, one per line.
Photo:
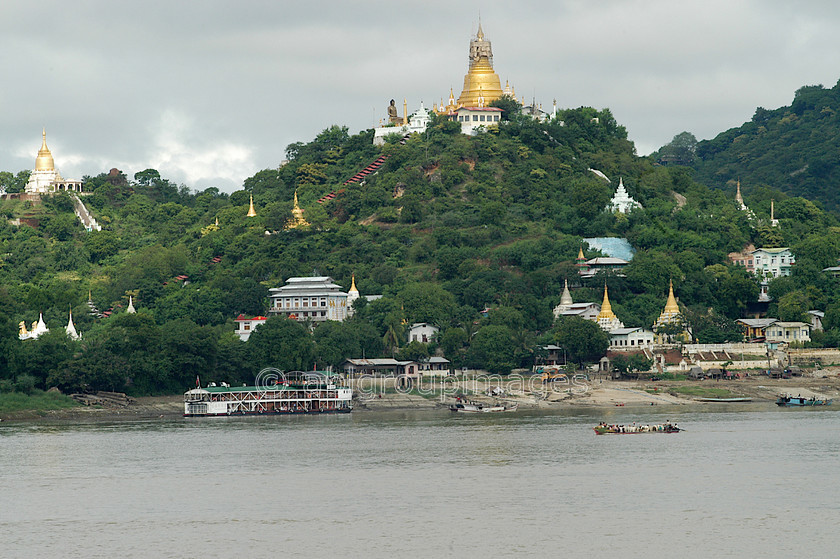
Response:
column 353, row 283
column 671, row 307
column 44, row 161
column 606, row 308
column 251, row 211
column 580, row 254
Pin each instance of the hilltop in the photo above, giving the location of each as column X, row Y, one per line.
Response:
column 792, row 149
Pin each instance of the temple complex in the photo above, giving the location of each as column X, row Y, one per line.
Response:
column 45, row 178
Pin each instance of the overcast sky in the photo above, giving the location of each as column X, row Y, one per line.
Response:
column 211, row 92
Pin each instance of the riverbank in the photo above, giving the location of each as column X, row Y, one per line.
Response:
column 382, row 396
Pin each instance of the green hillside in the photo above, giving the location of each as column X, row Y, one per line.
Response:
column 449, row 226
column 793, row 149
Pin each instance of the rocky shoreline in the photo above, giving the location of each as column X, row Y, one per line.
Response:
column 592, row 394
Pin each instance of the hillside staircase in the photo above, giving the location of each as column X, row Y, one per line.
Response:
column 360, row 177
column 88, row 221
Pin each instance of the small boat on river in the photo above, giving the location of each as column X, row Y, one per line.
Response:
column 466, row 406
column 787, row 401
column 633, row 429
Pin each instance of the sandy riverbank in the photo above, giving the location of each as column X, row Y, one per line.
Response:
column 592, row 394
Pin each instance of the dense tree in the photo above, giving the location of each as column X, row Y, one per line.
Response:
column 281, row 343
column 583, row 340
column 492, row 349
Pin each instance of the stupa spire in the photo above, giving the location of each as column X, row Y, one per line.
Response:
column 44, row 161
column 606, row 308
column 566, row 297
column 130, row 309
column 671, row 306
column 71, row 328
column 480, row 78
column 251, row 211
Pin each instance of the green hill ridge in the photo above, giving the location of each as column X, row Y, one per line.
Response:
column 449, row 226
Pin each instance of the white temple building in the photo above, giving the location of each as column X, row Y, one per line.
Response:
column 71, row 328
column 38, row 328
column 416, row 122
column 621, row 200
column 45, row 178
column 567, row 307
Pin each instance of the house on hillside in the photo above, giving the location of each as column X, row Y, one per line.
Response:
column 789, row 332
column 755, row 328
column 422, row 332
column 624, row 339
column 245, row 326
column 434, row 366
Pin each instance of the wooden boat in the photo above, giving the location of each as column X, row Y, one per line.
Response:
column 465, row 406
column 723, row 400
column 604, row 429
column 787, row 401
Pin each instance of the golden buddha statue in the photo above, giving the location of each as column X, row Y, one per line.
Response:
column 393, row 117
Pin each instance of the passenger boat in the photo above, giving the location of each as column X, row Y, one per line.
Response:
column 294, row 392
column 633, row 429
column 787, row 401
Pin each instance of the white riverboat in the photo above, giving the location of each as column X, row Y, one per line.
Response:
column 295, row 392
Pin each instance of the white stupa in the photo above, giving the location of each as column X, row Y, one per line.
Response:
column 621, row 201
column 71, row 328
column 38, row 328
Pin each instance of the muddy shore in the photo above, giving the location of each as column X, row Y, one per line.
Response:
column 592, row 394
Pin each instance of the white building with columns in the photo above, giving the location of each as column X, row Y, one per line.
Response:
column 45, row 178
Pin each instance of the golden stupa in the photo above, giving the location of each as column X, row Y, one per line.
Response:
column 481, row 83
column 252, row 212
column 607, row 319
column 606, row 309
column 44, row 161
column 297, row 216
column 672, row 309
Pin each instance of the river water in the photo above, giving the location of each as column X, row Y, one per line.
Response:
column 739, row 482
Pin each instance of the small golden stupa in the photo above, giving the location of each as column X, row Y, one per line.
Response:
column 251, row 211
column 297, row 216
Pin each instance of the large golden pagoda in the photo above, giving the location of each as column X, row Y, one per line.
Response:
column 44, row 161
column 481, row 83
